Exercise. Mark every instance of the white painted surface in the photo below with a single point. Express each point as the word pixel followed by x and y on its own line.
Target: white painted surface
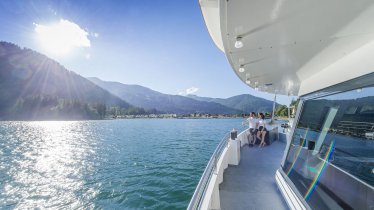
pixel 243 138
pixel 357 63
pixel 296 46
pixel 210 11
pixel 291 199
pixel 230 155
pixel 234 157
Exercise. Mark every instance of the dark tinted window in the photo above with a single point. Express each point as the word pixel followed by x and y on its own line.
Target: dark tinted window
pixel 331 157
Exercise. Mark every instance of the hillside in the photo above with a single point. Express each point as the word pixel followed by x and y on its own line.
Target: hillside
pixel 33 86
pixel 245 102
pixel 149 99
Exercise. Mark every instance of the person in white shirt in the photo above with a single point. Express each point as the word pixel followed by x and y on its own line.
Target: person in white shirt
pixel 252 128
pixel 261 129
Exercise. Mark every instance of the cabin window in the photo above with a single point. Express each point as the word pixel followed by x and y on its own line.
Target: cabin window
pixel 351 110
pixel 331 157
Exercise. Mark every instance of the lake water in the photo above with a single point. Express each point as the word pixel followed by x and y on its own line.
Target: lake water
pixel 116 164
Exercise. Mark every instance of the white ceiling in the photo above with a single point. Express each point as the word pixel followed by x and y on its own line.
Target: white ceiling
pixel 287 42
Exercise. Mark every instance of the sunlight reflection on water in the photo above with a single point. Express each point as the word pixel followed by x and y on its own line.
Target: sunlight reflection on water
pixel 118 164
pixel 50 159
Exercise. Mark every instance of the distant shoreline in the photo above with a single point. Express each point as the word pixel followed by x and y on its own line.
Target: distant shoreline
pixel 154 118
pixel 136 117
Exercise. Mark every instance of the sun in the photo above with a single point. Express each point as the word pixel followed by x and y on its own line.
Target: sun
pixel 62 37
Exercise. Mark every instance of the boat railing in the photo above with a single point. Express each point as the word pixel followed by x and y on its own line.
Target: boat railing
pixel 211 168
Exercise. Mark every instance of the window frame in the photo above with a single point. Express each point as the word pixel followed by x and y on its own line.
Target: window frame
pixel 356 83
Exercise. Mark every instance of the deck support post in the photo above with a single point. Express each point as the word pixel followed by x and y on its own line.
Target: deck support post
pixel 234 157
pixel 275 99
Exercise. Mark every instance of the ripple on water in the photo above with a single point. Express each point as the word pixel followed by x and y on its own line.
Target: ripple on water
pixel 123 164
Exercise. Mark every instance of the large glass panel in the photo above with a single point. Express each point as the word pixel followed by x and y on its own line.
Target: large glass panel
pixel 331 157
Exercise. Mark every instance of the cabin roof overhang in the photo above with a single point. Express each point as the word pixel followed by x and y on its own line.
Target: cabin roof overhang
pixel 294 47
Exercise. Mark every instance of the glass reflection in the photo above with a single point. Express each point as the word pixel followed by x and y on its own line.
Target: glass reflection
pixel 331 157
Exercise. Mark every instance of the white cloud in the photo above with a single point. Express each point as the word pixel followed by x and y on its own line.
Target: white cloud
pixel 95 34
pixel 188 91
pixel 50 9
pixel 192 90
pixel 62 37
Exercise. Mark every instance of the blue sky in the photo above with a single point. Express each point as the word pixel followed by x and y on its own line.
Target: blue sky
pixel 160 44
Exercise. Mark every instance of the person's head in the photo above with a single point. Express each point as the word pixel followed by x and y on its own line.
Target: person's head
pixel 262 115
pixel 253 114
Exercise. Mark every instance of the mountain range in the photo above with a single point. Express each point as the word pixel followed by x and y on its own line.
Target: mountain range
pixel 244 102
pixel 35 87
pixel 149 99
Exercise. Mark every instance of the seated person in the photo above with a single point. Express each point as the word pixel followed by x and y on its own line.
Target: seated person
pixel 261 129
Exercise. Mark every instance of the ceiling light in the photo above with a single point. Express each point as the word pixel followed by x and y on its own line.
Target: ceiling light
pixel 248 81
pixel 256 86
pixel 239 43
pixel 241 69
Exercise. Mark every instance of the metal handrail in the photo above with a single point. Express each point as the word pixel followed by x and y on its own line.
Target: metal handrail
pixel 208 172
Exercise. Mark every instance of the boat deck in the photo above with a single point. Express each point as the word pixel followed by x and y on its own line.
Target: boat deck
pixel 251 184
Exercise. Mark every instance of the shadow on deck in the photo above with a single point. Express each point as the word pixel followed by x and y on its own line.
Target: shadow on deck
pixel 251 184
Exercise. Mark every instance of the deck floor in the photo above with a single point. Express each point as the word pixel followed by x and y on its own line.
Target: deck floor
pixel 251 184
